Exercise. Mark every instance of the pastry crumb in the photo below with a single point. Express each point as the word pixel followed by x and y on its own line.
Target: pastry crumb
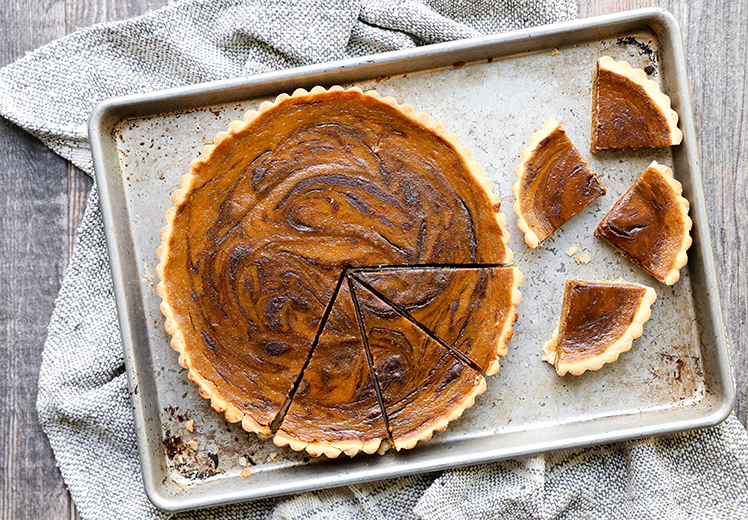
pixel 573 250
pixel 243 462
pixel 245 473
pixel 192 444
pixel 582 259
pixel 273 456
pixel 190 425
pixel 554 52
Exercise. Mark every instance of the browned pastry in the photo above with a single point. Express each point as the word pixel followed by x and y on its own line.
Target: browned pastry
pixel 274 211
pixel 472 309
pixel 335 408
pixel 650 224
pixel 599 320
pixel 629 110
pixel 554 183
pixel 423 385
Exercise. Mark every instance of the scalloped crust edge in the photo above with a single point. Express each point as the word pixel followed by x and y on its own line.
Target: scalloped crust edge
pixel 206 388
pixel 651 88
pixel 332 449
pixel 622 344
pixel 409 442
pixel 549 126
pixel 507 329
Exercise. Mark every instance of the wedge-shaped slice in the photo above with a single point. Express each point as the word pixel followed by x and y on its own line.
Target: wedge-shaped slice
pixel 472 309
pixel 650 224
pixel 599 320
pixel 336 409
pixel 554 183
pixel 423 386
pixel 629 110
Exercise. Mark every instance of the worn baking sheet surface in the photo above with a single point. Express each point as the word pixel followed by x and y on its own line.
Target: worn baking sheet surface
pixel 673 378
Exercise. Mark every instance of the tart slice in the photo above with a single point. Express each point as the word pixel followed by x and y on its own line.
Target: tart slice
pixel 650 224
pixel 599 320
pixel 554 183
pixel 629 110
pixel 335 408
pixel 422 384
pixel 471 309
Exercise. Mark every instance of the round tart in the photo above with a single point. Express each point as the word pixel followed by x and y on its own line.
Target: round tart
pixel 650 224
pixel 554 183
pixel 629 110
pixel 258 248
pixel 599 320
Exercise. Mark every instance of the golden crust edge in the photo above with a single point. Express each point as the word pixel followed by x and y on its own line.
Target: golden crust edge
pixel 611 354
pixel 409 442
pixel 331 449
pixel 507 328
pixel 531 238
pixel 651 87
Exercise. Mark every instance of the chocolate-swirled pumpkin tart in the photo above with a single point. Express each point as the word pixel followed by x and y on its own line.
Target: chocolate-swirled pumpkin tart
pixel 599 321
pixel 629 110
pixel 650 225
pixel 268 220
pixel 554 183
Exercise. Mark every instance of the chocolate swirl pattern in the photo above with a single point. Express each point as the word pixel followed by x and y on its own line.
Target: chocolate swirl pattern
pixel 280 205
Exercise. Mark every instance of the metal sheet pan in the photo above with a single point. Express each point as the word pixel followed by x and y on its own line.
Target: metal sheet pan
pixel 494 92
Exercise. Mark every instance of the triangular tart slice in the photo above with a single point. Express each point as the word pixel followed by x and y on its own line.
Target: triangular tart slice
pixel 423 385
pixel 599 320
pixel 629 110
pixel 554 183
pixel 335 408
pixel 650 224
pixel 471 309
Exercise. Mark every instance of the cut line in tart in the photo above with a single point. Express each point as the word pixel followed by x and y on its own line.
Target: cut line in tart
pixel 650 225
pixel 599 321
pixel 423 385
pixel 471 309
pixel 554 183
pixel 269 220
pixel 336 385
pixel 629 110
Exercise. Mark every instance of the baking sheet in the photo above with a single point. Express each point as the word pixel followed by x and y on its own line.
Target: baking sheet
pixel 493 92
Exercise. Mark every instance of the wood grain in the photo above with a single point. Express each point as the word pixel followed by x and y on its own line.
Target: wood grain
pixel 43 199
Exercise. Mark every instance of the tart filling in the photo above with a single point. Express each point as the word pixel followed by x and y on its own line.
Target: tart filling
pixel 650 224
pixel 268 220
pixel 599 321
pixel 629 110
pixel 554 183
pixel 471 309
pixel 423 385
pixel 335 408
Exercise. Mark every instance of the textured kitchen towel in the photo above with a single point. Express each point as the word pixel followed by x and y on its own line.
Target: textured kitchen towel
pixel 83 399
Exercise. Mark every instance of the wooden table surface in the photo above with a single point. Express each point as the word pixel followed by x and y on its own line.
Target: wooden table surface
pixel 43 198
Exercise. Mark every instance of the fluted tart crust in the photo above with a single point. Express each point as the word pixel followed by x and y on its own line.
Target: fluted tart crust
pixel 269 219
pixel 554 183
pixel 599 321
pixel 650 225
pixel 629 110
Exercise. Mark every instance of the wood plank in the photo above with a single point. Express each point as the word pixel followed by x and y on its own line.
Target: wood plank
pixel 43 198
pixel 32 248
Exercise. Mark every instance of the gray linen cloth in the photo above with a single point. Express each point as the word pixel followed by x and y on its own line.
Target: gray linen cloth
pixel 83 401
